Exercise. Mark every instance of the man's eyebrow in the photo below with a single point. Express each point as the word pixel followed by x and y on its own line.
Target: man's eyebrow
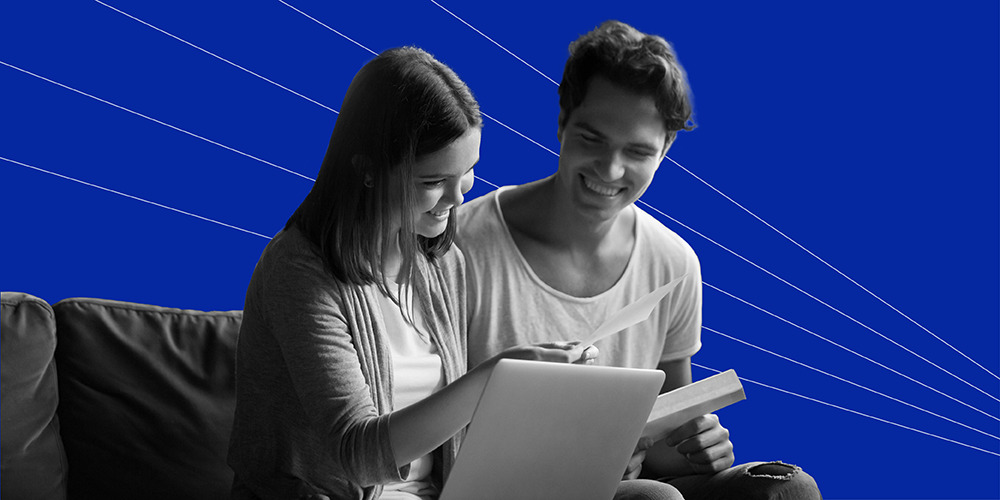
pixel 588 128
pixel 439 175
pixel 591 130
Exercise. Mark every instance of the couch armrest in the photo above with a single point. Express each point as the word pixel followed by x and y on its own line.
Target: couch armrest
pixel 33 460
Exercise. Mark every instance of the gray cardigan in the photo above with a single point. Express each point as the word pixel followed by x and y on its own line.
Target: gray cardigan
pixel 314 374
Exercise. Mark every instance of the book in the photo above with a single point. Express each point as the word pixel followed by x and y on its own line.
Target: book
pixel 672 409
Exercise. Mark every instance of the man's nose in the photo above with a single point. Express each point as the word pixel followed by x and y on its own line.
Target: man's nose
pixel 612 167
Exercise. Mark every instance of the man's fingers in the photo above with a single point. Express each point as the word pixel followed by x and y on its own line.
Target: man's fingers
pixel 704 440
pixel 634 465
pixel 710 454
pixel 692 428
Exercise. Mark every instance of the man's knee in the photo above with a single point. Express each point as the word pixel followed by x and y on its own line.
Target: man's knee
pixel 776 481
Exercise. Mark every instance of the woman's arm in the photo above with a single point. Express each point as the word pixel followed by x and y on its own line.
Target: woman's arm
pixel 418 429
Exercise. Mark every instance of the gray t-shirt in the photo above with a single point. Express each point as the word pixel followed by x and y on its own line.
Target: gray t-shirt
pixel 508 304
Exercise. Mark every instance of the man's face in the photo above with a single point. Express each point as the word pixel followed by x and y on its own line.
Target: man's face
pixel 612 144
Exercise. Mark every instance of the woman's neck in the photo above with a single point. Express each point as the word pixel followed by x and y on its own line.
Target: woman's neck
pixel 392 259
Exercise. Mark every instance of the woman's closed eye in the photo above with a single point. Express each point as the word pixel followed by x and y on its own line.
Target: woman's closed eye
pixel 433 183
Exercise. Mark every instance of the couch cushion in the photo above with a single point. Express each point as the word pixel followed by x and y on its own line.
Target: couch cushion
pixel 146 399
pixel 33 461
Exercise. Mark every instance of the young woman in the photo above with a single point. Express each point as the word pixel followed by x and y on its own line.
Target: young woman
pixel 351 357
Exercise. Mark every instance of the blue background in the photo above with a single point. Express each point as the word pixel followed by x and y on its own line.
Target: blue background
pixel 866 131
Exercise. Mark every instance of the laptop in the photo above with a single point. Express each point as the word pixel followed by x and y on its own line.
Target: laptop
pixel 552 430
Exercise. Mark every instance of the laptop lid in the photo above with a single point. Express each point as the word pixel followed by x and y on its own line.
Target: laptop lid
pixel 552 430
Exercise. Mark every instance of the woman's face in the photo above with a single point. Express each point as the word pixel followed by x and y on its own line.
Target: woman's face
pixel 441 179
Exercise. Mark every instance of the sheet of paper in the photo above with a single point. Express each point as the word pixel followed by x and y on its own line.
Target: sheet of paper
pixel 633 313
pixel 674 408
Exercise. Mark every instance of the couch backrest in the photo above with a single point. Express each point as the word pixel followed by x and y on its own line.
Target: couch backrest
pixel 33 461
pixel 146 399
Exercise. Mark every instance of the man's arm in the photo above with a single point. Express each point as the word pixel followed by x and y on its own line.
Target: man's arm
pixel 678 374
pixel 661 459
pixel 699 446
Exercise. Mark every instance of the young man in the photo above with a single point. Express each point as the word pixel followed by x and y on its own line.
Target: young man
pixel 551 259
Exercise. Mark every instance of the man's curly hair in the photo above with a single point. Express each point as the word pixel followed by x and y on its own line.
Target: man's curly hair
pixel 635 60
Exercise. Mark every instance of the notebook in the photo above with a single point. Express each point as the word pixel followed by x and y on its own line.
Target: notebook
pixel 552 430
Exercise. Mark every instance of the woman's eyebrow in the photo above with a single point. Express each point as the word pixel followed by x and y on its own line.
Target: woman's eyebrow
pixel 439 175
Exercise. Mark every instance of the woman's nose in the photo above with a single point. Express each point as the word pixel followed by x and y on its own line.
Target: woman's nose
pixel 454 195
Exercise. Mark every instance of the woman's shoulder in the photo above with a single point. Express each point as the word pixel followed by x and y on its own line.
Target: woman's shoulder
pixel 290 256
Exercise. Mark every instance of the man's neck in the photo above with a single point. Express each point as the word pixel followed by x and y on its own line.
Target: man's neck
pixel 556 216
pixel 578 256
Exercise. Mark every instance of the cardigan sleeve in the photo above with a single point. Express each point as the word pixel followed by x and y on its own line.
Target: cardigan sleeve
pixel 327 346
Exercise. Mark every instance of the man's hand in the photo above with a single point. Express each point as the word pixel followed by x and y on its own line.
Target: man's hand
pixel 634 466
pixel 705 443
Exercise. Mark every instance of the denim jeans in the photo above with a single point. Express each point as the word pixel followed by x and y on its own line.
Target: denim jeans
pixel 750 481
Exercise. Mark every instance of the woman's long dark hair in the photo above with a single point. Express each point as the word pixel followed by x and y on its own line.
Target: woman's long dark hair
pixel 402 105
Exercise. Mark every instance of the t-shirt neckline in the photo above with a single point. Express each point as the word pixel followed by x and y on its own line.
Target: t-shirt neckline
pixel 509 240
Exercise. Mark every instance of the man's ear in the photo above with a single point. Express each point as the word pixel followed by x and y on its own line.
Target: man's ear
pixel 559 125
pixel 666 146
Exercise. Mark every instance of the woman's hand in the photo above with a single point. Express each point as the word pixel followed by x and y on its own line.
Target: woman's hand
pixel 705 443
pixel 558 352
pixel 421 427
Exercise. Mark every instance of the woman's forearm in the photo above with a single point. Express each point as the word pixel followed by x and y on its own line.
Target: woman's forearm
pixel 418 429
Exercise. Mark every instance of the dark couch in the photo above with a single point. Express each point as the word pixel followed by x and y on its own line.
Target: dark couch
pixel 107 399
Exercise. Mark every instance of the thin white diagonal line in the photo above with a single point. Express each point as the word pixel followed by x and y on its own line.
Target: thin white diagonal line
pixel 853 411
pixel 518 133
pixel 252 73
pixel 862 356
pixel 494 42
pixel 817 257
pixel 488 182
pixel 828 374
pixel 355 42
pixel 317 21
pixel 126 195
pixel 165 124
pixel 227 61
pixel 807 294
pixel 775 229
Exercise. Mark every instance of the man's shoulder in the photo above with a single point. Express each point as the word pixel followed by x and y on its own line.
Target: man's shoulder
pixel 478 221
pixel 452 262
pixel 475 209
pixel 661 239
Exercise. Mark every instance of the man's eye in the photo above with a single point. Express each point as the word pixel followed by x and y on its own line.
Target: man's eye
pixel 640 153
pixel 588 138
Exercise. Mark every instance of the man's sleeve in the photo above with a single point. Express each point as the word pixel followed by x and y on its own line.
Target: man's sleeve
pixel 683 336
